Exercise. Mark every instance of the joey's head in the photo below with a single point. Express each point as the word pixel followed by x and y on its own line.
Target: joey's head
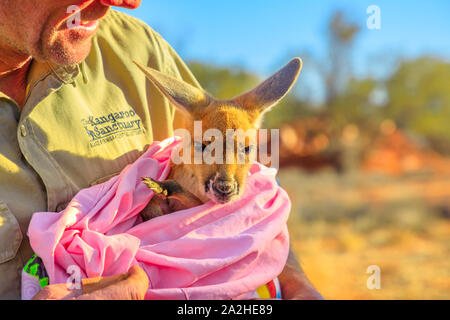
pixel 220 137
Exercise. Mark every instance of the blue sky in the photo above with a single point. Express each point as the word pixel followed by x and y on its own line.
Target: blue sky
pixel 261 35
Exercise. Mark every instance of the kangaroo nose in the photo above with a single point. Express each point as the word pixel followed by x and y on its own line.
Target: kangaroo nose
pixel 225 187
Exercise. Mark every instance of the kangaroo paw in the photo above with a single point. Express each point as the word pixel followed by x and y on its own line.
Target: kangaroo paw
pixel 169 196
pixel 156 186
pixel 155 208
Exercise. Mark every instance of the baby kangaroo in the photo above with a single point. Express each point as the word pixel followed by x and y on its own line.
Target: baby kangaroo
pixel 191 183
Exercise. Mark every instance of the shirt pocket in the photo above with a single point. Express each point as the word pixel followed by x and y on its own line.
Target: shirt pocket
pixel 10 234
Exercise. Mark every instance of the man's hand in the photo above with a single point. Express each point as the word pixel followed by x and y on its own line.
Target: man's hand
pixel 294 283
pixel 128 286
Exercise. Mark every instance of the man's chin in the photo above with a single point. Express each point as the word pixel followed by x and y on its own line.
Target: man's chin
pixel 69 54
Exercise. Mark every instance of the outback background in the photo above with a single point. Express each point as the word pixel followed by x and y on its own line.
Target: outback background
pixel 365 135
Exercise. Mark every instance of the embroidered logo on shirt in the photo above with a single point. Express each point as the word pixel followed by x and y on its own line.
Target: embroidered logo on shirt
pixel 115 125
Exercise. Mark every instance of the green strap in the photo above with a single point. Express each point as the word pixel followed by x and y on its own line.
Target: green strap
pixel 32 267
pixel 43 282
pixel 27 266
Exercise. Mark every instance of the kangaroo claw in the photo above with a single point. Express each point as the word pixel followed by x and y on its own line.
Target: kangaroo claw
pixel 155 186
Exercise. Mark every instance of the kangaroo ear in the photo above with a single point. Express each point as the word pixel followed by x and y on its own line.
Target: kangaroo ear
pixel 268 93
pixel 184 96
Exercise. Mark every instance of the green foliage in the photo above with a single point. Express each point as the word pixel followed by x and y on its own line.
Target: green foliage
pixel 416 96
pixel 223 83
pixel 353 105
pixel 288 110
pixel 419 99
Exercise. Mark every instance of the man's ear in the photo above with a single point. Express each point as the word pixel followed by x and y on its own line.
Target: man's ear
pixel 268 93
pixel 184 96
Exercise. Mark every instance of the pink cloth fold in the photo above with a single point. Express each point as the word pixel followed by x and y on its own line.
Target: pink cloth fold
pixel 208 252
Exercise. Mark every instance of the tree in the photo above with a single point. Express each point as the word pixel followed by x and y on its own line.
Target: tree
pixel 226 83
pixel 419 100
pixel 336 72
pixel 223 83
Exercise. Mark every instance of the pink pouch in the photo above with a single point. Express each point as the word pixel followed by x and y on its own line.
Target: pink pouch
pixel 208 252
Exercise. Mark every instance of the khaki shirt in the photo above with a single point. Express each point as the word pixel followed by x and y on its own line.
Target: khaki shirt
pixel 80 125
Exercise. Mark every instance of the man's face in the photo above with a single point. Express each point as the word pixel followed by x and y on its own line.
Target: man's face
pixel 48 29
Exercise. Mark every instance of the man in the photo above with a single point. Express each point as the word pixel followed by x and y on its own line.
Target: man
pixel 74 111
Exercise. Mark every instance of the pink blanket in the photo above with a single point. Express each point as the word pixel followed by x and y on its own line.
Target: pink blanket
pixel 208 252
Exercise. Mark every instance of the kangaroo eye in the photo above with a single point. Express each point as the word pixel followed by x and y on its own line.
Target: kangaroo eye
pixel 200 147
pixel 248 149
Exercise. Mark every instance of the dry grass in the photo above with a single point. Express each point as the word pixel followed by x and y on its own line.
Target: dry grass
pixel 340 225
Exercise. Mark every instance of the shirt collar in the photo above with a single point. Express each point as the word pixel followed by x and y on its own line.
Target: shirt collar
pixel 40 70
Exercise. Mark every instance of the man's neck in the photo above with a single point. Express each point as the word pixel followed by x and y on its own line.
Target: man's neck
pixel 13 74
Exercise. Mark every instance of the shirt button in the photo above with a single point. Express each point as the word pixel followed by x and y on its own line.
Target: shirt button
pixel 23 131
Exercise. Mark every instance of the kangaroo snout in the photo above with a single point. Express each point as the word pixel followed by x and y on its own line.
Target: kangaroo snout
pixel 222 191
pixel 225 187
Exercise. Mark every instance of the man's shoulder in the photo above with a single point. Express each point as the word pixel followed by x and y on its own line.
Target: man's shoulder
pixel 123 38
pixel 122 32
pixel 122 23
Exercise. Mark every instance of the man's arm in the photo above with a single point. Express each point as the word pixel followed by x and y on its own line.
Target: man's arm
pixel 294 283
pixel 131 285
